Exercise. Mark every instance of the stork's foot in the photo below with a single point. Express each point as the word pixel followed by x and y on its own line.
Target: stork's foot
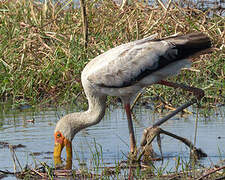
pixel 149 154
pixel 132 156
pixel 150 133
pixel 146 146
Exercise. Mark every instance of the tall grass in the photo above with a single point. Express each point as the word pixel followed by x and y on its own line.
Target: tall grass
pixel 42 49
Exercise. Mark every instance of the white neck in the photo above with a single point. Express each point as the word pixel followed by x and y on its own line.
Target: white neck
pixel 72 123
pixel 95 112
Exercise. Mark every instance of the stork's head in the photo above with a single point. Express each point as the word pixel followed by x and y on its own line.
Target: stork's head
pixel 64 135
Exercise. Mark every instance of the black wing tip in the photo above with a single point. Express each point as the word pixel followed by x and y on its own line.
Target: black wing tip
pixel 190 44
pixel 200 37
pixel 190 36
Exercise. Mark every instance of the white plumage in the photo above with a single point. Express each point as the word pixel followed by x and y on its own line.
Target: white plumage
pixel 125 70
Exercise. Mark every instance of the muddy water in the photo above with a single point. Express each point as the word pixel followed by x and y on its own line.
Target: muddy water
pixel 111 134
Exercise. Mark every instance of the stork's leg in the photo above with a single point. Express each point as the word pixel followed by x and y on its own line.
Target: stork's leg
pixel 131 129
pixel 199 93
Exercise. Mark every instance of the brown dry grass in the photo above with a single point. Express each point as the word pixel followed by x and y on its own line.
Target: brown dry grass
pixel 42 51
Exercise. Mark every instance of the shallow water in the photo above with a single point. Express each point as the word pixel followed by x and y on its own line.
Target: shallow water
pixel 111 134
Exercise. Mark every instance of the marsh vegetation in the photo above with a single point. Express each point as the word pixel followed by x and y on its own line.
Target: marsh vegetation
pixel 45 45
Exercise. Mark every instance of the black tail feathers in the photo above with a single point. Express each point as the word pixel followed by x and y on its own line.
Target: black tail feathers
pixel 190 44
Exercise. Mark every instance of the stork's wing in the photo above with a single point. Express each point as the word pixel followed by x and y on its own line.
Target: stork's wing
pixel 129 63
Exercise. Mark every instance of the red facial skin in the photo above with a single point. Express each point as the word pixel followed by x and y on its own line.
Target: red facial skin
pixel 60 142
